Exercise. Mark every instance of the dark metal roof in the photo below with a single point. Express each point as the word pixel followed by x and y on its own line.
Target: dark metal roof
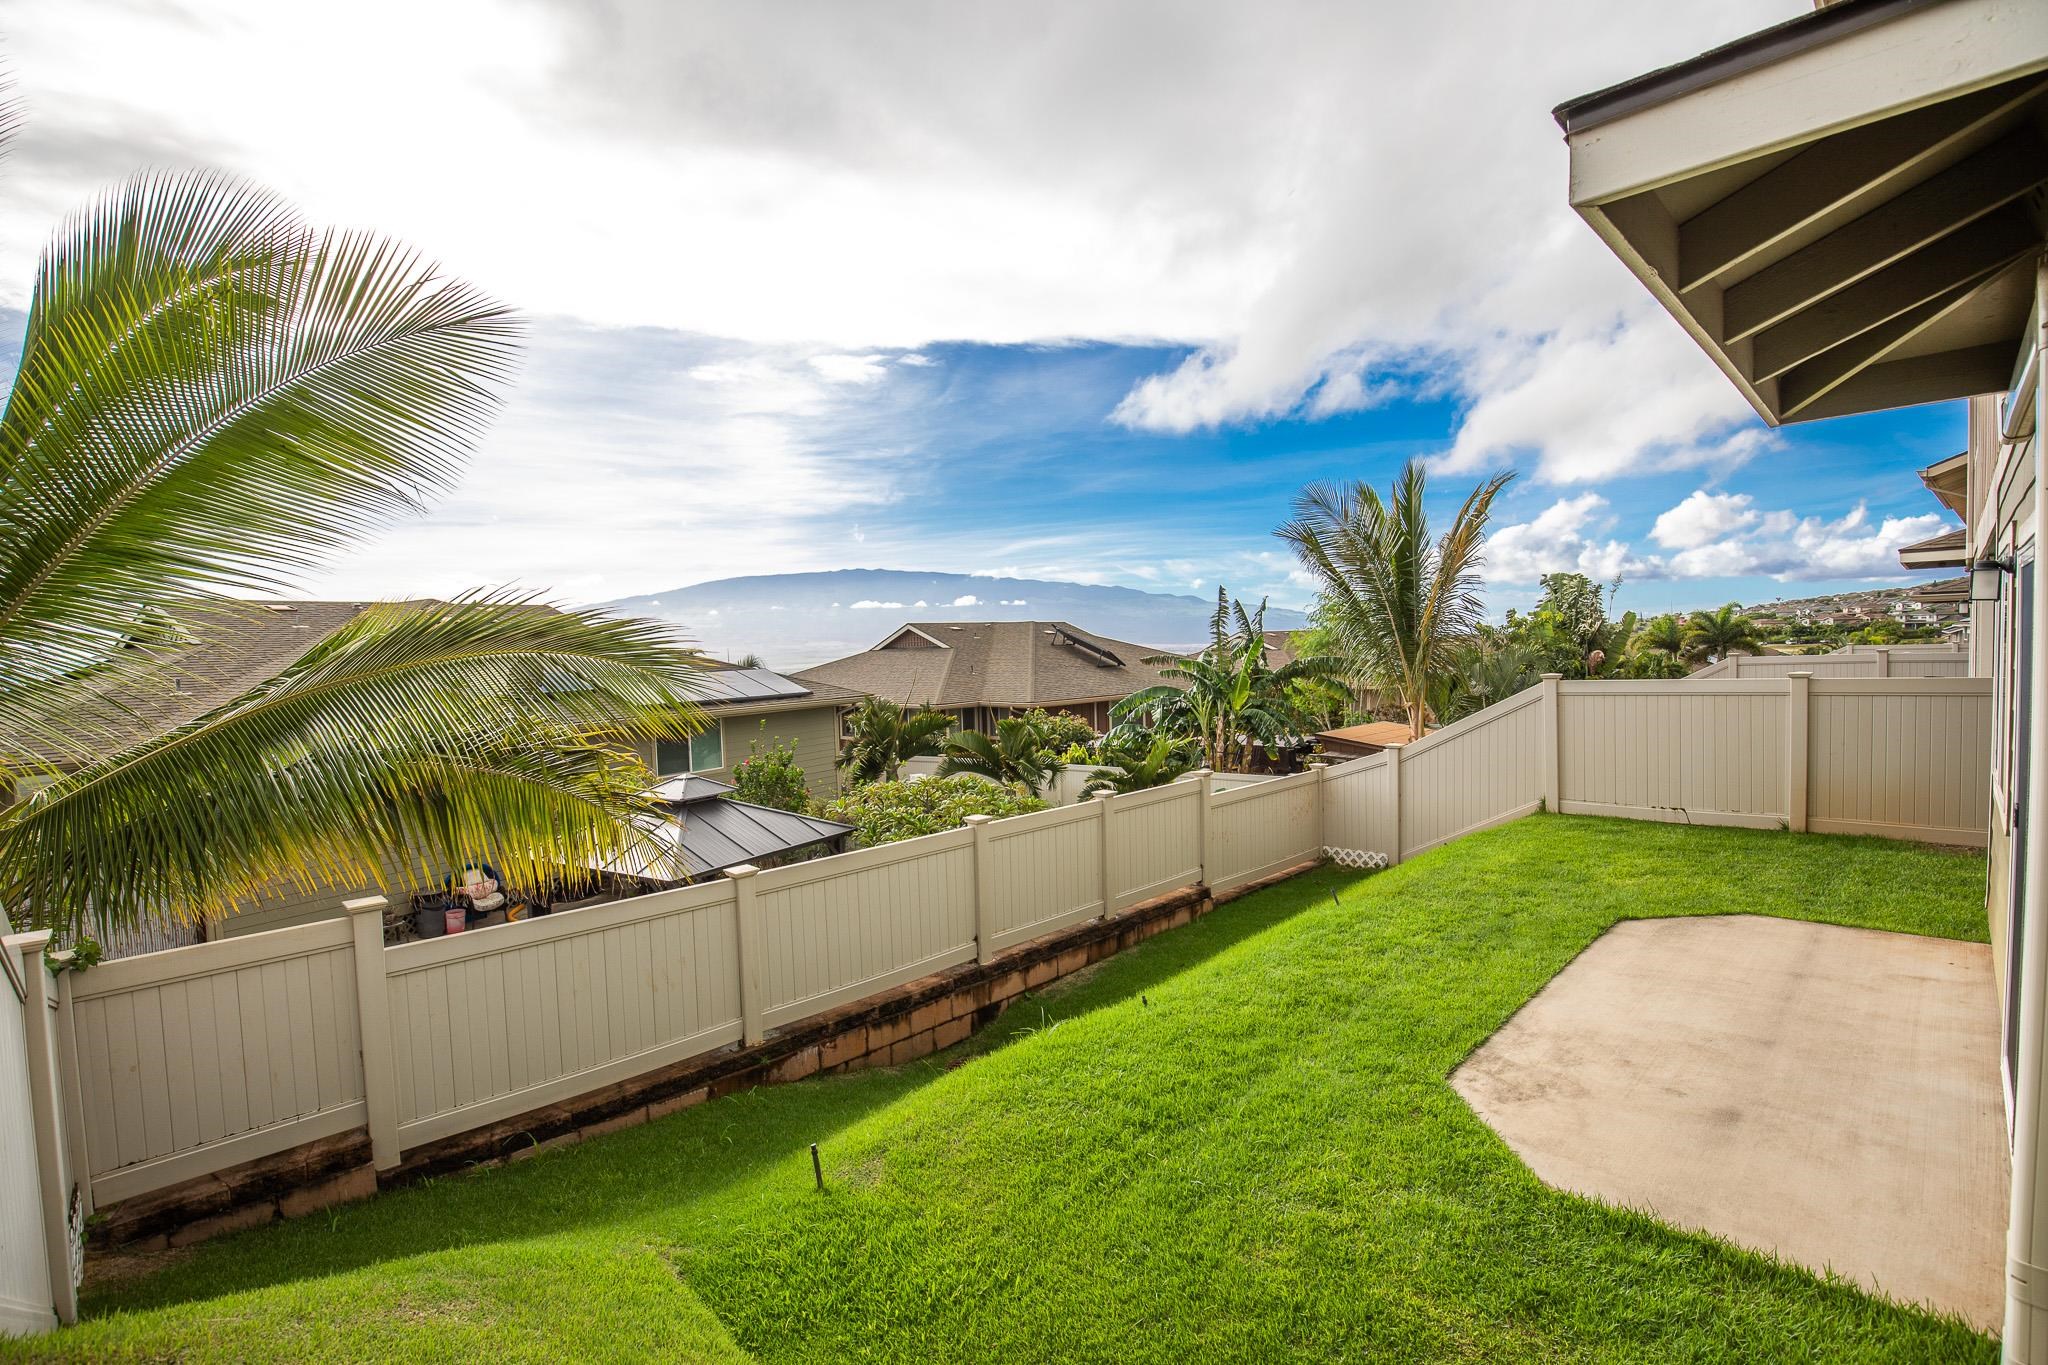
pixel 1747 53
pixel 687 787
pixel 713 832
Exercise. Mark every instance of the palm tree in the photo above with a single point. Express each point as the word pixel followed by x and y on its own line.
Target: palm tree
pixel 1663 634
pixel 881 734
pixel 1714 635
pixel 1021 754
pixel 1226 700
pixel 212 397
pixel 1398 602
pixel 1134 767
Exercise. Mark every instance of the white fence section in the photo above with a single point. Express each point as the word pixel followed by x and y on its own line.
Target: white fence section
pixel 42 1214
pixel 179 1063
pixel 1857 661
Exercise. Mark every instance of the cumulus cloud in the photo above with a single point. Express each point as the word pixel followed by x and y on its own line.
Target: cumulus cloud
pixel 1704 518
pixel 967 600
pixel 1786 546
pixel 870 604
pixel 1564 538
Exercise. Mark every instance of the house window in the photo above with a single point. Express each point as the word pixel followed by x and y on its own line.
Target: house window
pixel 703 752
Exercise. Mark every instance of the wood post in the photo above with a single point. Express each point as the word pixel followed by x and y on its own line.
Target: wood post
pixel 1101 800
pixel 984 887
pixel 748 940
pixel 46 1105
pixel 1552 784
pixel 373 1023
pixel 1798 703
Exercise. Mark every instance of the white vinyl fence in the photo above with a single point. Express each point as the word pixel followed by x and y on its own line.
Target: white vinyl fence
pixel 178 1063
pixel 1857 661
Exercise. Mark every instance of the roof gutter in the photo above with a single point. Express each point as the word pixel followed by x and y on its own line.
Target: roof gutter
pixel 1762 48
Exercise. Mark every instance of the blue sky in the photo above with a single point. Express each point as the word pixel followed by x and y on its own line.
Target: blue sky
pixel 1074 290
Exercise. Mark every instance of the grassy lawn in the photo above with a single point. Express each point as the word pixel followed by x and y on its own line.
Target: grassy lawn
pixel 1233 1143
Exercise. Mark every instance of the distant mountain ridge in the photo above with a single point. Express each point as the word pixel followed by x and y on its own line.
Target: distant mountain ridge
pixel 794 620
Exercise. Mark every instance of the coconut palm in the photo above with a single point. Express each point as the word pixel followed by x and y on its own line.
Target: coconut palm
pixel 1136 766
pixel 1664 634
pixel 211 398
pixel 1022 754
pixel 882 734
pixel 1714 635
pixel 1226 700
pixel 1398 602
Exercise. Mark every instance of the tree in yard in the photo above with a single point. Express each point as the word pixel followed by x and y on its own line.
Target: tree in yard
pixel 211 398
pixel 1063 730
pixel 1139 765
pixel 1714 635
pixel 769 775
pixel 1226 701
pixel 1020 754
pixel 1399 602
pixel 881 734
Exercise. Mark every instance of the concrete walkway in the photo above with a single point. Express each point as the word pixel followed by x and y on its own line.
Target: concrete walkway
pixel 1830 1095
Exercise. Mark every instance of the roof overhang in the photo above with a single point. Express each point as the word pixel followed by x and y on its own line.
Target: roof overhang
pixel 1949 481
pixel 1945 551
pixel 1845 210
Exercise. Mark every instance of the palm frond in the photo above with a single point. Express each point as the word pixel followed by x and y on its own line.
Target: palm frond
pixel 432 731
pixel 213 395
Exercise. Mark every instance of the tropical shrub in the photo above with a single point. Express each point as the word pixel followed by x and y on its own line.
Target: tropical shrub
pixel 885 812
pixel 1062 730
pixel 881 734
pixel 769 776
pixel 1133 767
pixel 1225 702
pixel 1020 754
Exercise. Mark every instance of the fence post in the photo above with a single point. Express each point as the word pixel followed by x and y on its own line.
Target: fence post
pixel 1210 861
pixel 1798 701
pixel 1551 785
pixel 1200 776
pixel 45 1100
pixel 1884 662
pixel 748 939
pixel 1101 800
pixel 1394 776
pixel 984 886
pixel 72 1091
pixel 373 1023
pixel 1321 768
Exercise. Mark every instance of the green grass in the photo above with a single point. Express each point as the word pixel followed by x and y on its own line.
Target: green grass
pixel 1235 1142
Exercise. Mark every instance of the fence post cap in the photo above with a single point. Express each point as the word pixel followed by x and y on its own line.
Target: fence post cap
pixel 1101 795
pixel 31 940
pixel 366 905
pixel 740 871
pixel 1800 673
pixel 1551 677
pixel 980 820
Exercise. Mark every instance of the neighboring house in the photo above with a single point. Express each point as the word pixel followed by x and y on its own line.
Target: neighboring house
pixel 981 671
pixel 1845 212
pixel 757 705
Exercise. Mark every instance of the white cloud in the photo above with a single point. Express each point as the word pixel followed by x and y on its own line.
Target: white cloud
pixel 1704 518
pixel 1564 538
pixel 967 600
pixel 1254 179
pixel 1787 547
pixel 870 604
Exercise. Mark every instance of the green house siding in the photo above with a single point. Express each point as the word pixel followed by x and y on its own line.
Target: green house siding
pixel 813 729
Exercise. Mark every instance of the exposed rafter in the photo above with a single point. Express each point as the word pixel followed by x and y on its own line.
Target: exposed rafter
pixel 1833 172
pixel 1922 379
pixel 1936 207
pixel 1959 259
pixel 1805 384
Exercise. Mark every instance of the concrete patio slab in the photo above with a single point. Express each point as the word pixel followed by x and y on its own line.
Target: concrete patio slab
pixel 1829 1095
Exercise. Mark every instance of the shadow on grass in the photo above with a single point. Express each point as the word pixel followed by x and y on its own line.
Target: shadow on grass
pixel 626 1176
